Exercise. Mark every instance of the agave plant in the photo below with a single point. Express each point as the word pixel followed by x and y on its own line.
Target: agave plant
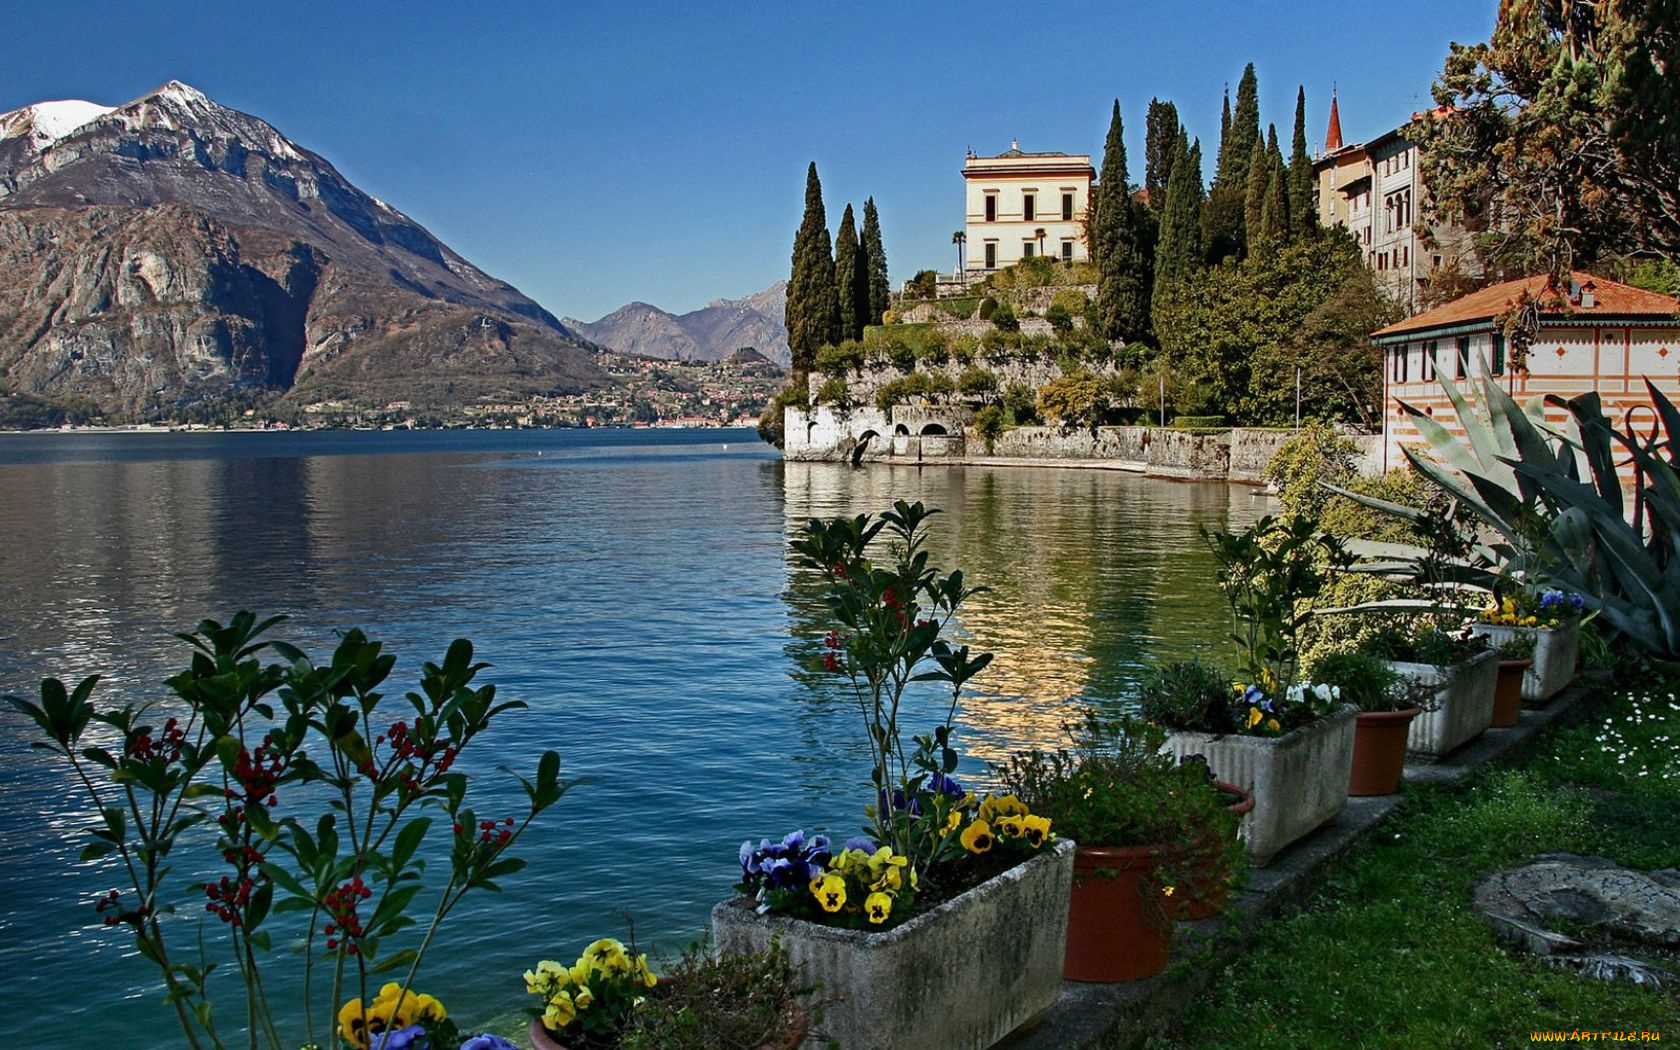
pixel 1521 476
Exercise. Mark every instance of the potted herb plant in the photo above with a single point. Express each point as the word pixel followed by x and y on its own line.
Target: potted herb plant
pixel 1385 715
pixel 1453 669
pixel 741 1001
pixel 1289 743
pixel 1516 656
pixel 979 884
pixel 240 733
pixel 1552 618
pixel 1139 819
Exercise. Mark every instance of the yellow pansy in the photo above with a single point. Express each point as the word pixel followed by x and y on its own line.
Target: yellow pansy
pixel 977 837
pixel 582 997
pixel 1254 717
pixel 1002 806
pixel 878 907
pixel 1011 827
pixel 1272 724
pixel 559 1012
pixel 952 822
pixel 1037 829
pixel 830 891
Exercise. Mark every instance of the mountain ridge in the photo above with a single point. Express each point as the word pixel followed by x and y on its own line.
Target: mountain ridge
pixel 710 333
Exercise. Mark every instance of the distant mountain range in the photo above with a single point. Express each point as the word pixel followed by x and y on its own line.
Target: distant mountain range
pixel 711 333
pixel 169 252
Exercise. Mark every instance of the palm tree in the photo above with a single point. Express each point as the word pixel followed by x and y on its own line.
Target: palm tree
pixel 959 239
pixel 1039 233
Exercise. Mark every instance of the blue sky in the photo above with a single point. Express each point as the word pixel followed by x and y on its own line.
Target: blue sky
pixel 596 153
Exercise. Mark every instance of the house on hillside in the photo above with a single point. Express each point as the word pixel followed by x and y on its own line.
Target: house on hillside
pixel 1021 205
pixel 1596 334
pixel 1375 190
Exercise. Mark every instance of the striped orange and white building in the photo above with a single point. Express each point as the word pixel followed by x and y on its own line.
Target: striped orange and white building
pixel 1596 334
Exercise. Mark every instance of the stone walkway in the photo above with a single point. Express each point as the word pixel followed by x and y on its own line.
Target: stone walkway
pixel 1126 1015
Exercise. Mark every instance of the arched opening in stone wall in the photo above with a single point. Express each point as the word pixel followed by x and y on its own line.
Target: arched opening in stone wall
pixel 935 429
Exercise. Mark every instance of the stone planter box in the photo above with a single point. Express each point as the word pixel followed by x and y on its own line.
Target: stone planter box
pixel 963 975
pixel 1463 704
pixel 1555 651
pixel 1299 780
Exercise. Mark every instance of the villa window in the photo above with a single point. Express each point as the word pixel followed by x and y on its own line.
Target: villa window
pixel 1026 249
pixel 1498 353
pixel 991 210
pixel 1067 251
pixel 1431 359
pixel 991 247
pixel 1067 207
pixel 1463 356
pixel 1027 207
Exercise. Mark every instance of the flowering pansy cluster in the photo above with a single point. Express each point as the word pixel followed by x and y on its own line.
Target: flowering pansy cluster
pixel 1262 713
pixel 595 996
pixel 1524 608
pixel 394 1020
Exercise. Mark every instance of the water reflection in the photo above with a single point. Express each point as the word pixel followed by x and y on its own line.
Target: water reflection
pixel 1094 574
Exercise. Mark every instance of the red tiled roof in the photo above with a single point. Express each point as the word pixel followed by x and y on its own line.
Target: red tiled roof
pixel 1611 299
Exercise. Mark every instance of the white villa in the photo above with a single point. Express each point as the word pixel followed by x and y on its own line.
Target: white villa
pixel 1595 335
pixel 1022 205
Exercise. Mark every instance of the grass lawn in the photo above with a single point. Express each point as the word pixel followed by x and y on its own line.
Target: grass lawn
pixel 1390 954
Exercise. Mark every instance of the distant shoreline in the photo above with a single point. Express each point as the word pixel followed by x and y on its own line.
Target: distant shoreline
pixel 181 428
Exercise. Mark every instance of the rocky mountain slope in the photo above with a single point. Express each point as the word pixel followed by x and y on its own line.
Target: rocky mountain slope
pixel 711 333
pixel 172 252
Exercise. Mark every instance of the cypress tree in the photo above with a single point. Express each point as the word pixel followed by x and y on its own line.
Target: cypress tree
pixel 1303 216
pixel 1245 124
pixel 813 311
pixel 1274 212
pixel 1161 147
pixel 1254 196
pixel 1219 172
pixel 1123 283
pixel 1179 251
pixel 875 257
pixel 849 278
pixel 1224 220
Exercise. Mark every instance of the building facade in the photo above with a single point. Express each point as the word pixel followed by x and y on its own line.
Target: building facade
pixel 1595 334
pixel 1375 191
pixel 1021 205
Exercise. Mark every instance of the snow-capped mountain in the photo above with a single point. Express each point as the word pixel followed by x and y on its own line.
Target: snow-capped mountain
pixel 171 249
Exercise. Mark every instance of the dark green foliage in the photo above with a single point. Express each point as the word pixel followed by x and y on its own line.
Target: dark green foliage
pixel 875 255
pixel 1224 226
pixel 1240 331
pixel 1198 422
pixel 850 280
pixel 1123 277
pixel 989 422
pixel 813 307
pixel 1303 215
pixel 1366 681
pixel 771 429
pixel 1004 319
pixel 1162 135
pixel 922 286
pixel 988 306
pixel 977 382
pixel 934 386
pixel 1117 787
pixel 1274 211
pixel 834 391
pixel 1074 400
pixel 837 358
pixel 1178 253
pixel 1021 402
pixel 1254 192
pixel 1189 695
pixel 1059 318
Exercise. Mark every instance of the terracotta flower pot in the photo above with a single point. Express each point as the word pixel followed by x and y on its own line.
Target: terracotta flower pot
pixel 1119 924
pixel 1507 692
pixel 1379 751
pixel 1204 886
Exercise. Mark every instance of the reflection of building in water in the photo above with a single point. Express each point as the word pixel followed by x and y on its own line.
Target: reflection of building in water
pixel 1094 575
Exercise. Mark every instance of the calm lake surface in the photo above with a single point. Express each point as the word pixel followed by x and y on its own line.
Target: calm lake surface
pixel 634 587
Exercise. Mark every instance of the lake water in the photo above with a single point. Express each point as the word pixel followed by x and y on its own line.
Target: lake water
pixel 634 587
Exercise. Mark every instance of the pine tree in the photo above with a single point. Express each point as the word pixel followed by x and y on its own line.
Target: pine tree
pixel 848 278
pixel 1179 251
pixel 813 310
pixel 875 255
pixel 1303 215
pixel 1123 282
pixel 1254 195
pixel 1161 145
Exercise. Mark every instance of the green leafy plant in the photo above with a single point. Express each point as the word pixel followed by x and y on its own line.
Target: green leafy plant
pixel 1188 695
pixel 738 1001
pixel 222 758
pixel 1269 574
pixel 989 422
pixel 1364 680
pixel 1004 319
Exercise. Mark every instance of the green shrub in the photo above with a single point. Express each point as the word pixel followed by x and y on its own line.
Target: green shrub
pixel 989 423
pixel 1059 318
pixel 834 391
pixel 977 382
pixel 1365 681
pixel 1072 301
pixel 963 347
pixel 999 344
pixel 1189 695
pixel 962 308
pixel 770 429
pixel 921 286
pixel 1035 347
pixel 1198 422
pixel 1004 319
pixel 988 306
pixel 834 360
pixel 1072 400
pixel 1302 464
pixel 916 384
pixel 1021 402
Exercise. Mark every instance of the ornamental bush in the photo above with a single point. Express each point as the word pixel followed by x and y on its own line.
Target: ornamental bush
pixel 236 736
